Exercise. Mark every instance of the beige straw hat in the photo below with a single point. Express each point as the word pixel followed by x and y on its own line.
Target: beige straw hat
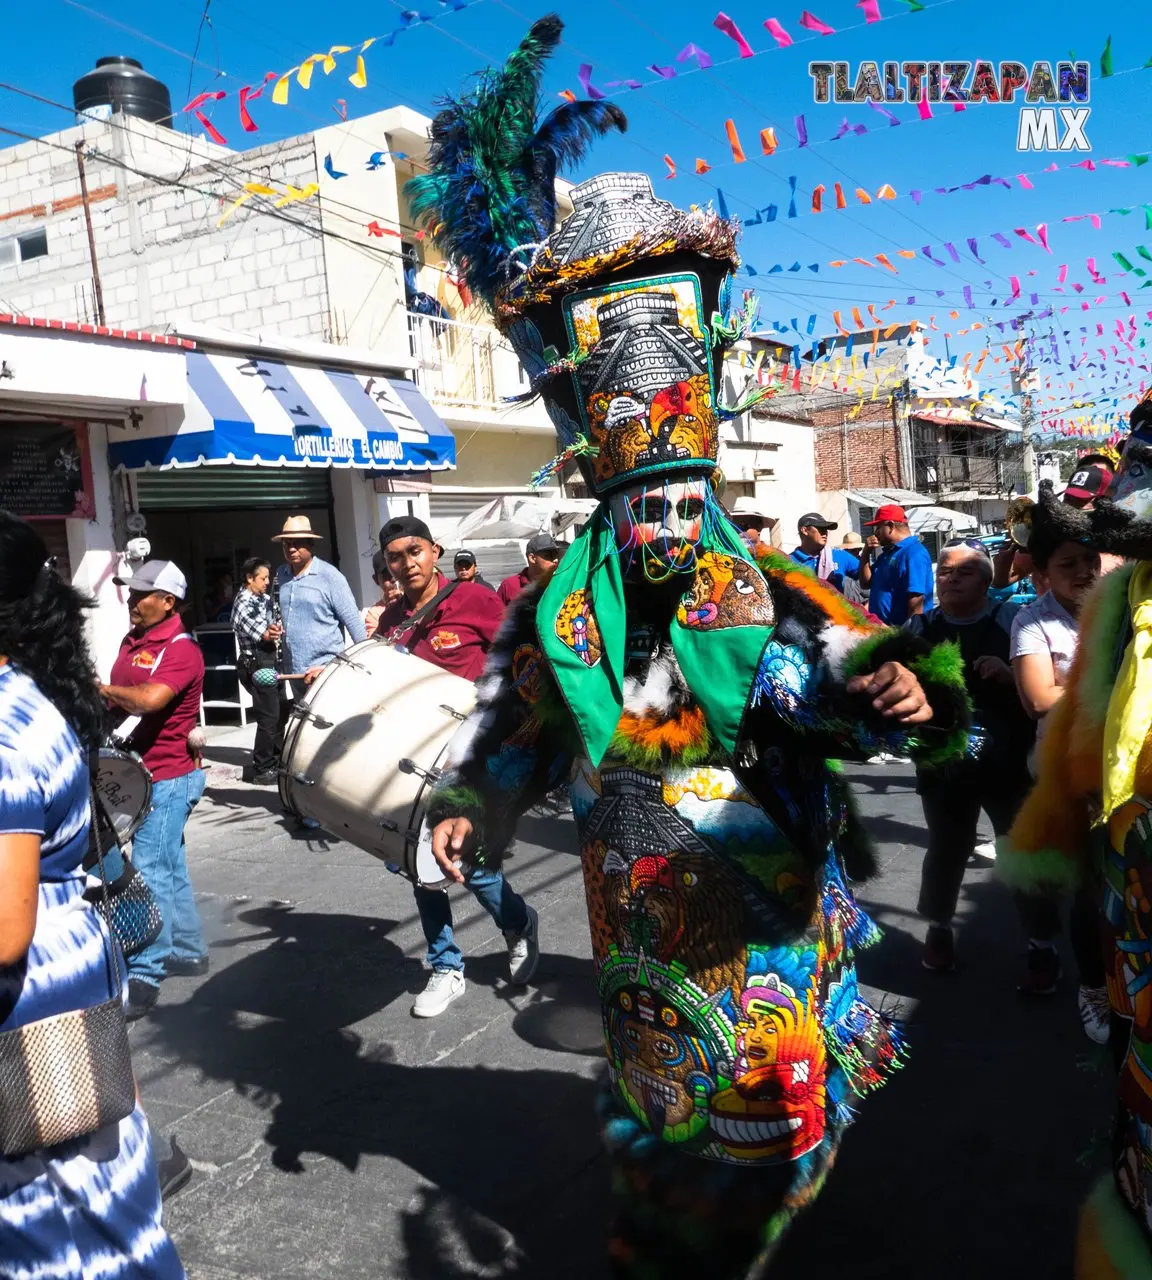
pixel 296 527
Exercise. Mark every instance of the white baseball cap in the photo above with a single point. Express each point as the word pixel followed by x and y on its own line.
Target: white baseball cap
pixel 156 575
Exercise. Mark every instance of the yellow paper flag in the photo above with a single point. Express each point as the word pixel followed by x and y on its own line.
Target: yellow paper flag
pixel 280 93
pixel 330 57
pixel 359 78
pixel 250 189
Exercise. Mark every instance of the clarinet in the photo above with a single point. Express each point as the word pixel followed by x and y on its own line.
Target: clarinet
pixel 277 619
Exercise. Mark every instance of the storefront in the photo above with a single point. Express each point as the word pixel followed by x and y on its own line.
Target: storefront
pixel 203 450
pixel 265 435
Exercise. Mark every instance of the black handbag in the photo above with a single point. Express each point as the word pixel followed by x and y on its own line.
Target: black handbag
pixel 69 1074
pixel 127 903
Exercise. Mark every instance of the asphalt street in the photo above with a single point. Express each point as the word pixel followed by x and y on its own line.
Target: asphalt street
pixel 335 1135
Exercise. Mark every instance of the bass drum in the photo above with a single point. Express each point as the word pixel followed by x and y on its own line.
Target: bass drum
pixel 124 786
pixel 366 743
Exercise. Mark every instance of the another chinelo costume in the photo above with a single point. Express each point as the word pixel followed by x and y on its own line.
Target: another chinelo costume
pixel 1089 818
pixel 689 695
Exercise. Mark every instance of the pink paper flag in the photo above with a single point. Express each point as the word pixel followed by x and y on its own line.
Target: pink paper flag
pixel 1063 273
pixel 1024 234
pixel 722 22
pixel 871 9
pixel 1127 299
pixel 584 75
pixel 1095 220
pixel 1042 234
pixel 813 23
pixel 959 106
pixel 1022 179
pixel 1096 276
pixel 1014 281
pixel 924 109
pixel 1052 167
pixel 1090 165
pixel 777 32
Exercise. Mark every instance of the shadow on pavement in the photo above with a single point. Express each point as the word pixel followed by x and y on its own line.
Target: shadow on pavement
pixel 502 1148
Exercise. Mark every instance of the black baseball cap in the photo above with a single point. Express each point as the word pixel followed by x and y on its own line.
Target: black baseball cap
pixel 405 527
pixel 1088 483
pixel 540 544
pixel 463 557
pixel 814 520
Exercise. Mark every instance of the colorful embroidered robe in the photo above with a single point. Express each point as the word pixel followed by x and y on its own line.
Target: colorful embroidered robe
pixel 723 927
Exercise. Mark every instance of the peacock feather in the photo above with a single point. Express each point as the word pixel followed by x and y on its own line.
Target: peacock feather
pixel 491 185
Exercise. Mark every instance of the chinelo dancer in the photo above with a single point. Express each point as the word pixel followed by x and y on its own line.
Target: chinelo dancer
pixel 689 694
pixel 1088 824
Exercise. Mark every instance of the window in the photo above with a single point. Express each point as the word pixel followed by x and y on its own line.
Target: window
pixel 32 244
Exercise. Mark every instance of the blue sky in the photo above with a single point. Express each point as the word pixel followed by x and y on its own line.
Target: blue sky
pixel 685 118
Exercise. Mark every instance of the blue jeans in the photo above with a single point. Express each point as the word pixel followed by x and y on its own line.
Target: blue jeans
pixel 158 853
pixel 492 892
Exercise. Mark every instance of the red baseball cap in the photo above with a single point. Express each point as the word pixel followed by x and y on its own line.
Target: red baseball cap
pixel 1088 483
pixel 889 513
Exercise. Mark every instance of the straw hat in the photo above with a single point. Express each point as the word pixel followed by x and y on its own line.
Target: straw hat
pixel 296 527
pixel 851 539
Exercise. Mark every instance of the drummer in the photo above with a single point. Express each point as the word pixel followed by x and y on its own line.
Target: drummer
pixel 452 625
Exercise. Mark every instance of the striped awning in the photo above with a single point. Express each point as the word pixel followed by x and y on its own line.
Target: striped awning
pixel 268 413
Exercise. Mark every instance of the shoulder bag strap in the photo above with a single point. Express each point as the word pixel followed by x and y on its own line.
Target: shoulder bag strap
pixel 94 848
pixel 423 613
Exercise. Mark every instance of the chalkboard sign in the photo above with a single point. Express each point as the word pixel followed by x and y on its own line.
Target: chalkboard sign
pixel 45 470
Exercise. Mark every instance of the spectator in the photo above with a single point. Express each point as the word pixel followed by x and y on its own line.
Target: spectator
pixel 1091 480
pixel 750 521
pixel 1044 638
pixel 543 555
pixel 467 570
pixel 896 568
pixel 158 676
pixel 316 603
pixel 831 564
pixel 389 591
pixel 257 635
pixel 89 1206
pixel 452 625
pixel 996 778
pixel 218 601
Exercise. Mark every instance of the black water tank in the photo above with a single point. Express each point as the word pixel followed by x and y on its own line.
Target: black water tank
pixel 122 84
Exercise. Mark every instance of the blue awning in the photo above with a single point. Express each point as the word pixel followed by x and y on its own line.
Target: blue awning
pixel 270 413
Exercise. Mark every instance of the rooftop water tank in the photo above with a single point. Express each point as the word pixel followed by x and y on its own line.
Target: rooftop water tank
pixel 122 84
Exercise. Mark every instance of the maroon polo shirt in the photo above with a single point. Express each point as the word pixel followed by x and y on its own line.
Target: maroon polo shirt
pixel 511 587
pixel 456 635
pixel 162 736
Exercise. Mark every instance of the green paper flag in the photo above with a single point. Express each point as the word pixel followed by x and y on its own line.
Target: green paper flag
pixel 1123 261
pixel 1137 160
pixel 914 5
pixel 1148 217
pixel 1106 60
pixel 1143 252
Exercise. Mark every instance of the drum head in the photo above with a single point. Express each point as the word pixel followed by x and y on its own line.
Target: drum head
pixel 423 867
pixel 124 786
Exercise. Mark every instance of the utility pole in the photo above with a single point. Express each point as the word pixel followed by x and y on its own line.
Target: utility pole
pixel 97 292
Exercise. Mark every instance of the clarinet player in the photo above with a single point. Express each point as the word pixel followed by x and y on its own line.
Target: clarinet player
pixel 256 622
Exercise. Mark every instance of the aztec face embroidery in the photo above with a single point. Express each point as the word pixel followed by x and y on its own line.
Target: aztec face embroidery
pixel 527 668
pixel 576 627
pixel 1132 487
pixel 775 1107
pixel 726 592
pixel 644 381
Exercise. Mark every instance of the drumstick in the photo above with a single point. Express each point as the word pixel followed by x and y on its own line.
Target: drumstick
pixel 269 676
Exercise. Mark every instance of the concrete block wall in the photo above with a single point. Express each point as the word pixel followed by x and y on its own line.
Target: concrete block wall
pixel 163 260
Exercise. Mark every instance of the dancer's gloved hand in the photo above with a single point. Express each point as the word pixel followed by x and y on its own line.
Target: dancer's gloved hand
pixel 895 693
pixel 452 841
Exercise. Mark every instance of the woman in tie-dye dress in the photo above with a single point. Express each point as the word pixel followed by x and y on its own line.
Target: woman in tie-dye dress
pixel 90 1207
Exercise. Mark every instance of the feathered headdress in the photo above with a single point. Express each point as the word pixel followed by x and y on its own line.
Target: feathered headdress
pixel 491 188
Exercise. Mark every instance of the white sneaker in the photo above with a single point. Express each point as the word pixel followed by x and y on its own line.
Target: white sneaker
pixel 444 986
pixel 524 951
pixel 1095 1013
pixel 987 851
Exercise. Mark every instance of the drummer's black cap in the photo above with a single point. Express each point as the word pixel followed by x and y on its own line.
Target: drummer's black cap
pixel 404 527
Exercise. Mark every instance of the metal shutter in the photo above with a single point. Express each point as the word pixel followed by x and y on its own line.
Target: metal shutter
pixel 232 488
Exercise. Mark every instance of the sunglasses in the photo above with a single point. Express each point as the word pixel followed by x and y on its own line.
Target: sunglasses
pixel 973 544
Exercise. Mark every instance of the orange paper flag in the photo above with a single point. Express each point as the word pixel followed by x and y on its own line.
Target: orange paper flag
pixel 906 253
pixel 841 203
pixel 702 166
pixel 768 141
pixel 863 262
pixel 885 261
pixel 671 167
pixel 863 196
pixel 856 320
pixel 885 193
pixel 567 95
pixel 817 198
pixel 734 141
pixel 836 321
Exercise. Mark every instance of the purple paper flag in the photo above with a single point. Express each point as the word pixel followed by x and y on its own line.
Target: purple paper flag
pixel 973 244
pixel 703 61
pixel 584 75
pixel 802 130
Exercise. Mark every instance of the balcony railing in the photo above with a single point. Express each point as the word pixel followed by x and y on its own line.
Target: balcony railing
pixel 463 364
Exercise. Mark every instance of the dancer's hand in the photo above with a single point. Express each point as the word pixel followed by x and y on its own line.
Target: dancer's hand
pixel 895 693
pixel 452 840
